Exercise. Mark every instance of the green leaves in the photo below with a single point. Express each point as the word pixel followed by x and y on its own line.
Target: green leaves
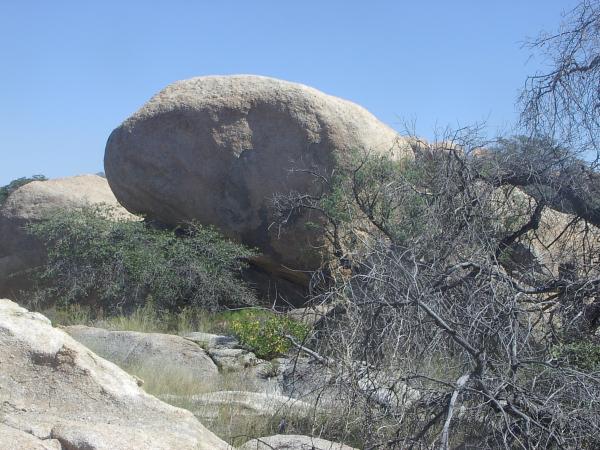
pixel 120 264
pixel 582 354
pixel 383 189
pixel 265 334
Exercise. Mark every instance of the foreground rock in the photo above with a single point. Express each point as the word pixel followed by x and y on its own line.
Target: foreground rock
pixel 157 352
pixel 55 391
pixel 218 148
pixel 19 251
pixel 292 442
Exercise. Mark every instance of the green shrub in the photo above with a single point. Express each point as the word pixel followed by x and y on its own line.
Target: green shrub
pixel 5 191
pixel 584 355
pixel 372 187
pixel 265 334
pixel 120 265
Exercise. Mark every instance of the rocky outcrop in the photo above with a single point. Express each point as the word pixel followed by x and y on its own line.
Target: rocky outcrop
pixel 231 358
pixel 225 351
pixel 217 149
pixel 55 390
pixel 19 251
pixel 292 442
pixel 148 351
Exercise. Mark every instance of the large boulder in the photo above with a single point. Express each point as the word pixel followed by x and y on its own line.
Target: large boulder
pixel 158 353
pixel 55 390
pixel 19 251
pixel 218 148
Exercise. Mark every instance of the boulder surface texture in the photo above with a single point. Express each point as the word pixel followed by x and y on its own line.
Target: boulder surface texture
pixel 56 393
pixel 218 148
pixel 19 251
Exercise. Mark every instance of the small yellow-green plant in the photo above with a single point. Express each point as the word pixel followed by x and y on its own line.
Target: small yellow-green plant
pixel 266 335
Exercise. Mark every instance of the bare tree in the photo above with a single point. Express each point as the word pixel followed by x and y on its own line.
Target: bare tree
pixel 562 106
pixel 447 327
pixel 463 292
pixel 564 101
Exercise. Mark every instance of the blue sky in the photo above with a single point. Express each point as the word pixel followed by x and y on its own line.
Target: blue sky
pixel 71 71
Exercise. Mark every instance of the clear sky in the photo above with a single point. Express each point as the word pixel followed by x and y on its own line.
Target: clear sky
pixel 71 71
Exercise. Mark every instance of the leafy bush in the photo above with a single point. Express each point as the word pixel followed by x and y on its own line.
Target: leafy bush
pixel 265 333
pixel 120 265
pixel 584 355
pixel 5 191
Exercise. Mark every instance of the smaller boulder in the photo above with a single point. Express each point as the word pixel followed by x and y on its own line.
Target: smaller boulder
pixel 21 252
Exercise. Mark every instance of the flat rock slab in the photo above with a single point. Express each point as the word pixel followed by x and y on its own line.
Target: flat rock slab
pixel 162 352
pixel 243 403
pixel 292 442
pixel 55 389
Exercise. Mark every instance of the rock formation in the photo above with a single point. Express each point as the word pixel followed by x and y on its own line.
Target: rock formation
pixel 19 251
pixel 56 394
pixel 148 351
pixel 217 149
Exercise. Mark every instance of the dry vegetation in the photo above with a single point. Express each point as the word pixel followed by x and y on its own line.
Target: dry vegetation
pixel 462 296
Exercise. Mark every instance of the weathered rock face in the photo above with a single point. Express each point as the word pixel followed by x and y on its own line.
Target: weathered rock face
pixel 20 251
pixel 151 351
pixel 292 442
pixel 218 148
pixel 53 390
pixel 561 241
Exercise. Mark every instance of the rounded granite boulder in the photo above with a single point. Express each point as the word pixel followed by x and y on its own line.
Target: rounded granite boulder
pixel 218 148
